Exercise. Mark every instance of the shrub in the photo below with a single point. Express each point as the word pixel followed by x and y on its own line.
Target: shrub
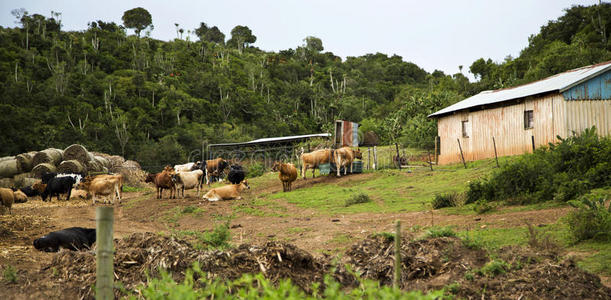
pixel 445 200
pixel 591 220
pixel 218 238
pixel 255 170
pixel 482 206
pixel 494 268
pixel 435 232
pixel 356 199
pixel 10 274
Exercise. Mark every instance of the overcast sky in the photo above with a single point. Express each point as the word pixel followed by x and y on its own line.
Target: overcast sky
pixel 433 34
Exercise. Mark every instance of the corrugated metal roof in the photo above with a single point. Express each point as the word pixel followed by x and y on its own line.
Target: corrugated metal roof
pixel 559 82
pixel 275 139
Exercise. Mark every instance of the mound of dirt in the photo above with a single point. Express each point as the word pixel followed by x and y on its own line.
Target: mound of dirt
pixel 149 253
pixel 426 265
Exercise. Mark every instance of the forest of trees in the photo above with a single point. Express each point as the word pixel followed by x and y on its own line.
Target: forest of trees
pixel 149 99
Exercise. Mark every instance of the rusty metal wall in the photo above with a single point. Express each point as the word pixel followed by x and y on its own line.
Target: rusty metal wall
pixel 586 113
pixel 506 124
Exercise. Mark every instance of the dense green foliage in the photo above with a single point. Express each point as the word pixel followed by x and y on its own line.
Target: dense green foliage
pixel 562 172
pixel 258 287
pixel 146 98
pixel 450 199
pixel 591 219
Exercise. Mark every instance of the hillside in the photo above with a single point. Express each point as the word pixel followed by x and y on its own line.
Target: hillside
pixel 148 99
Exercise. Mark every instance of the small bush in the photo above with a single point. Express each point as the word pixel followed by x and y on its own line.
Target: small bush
pixel 435 232
pixel 474 243
pixel 591 220
pixel 494 268
pixel 483 206
pixel 255 170
pixel 217 238
pixel 445 200
pixel 541 241
pixel 10 274
pixel 190 209
pixel 356 199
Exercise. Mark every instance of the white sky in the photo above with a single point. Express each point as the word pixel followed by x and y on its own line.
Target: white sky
pixel 432 34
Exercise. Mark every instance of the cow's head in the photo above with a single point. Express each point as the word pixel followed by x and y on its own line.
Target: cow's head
pixel 150 177
pixel 223 164
pixel 358 154
pixel 245 184
pixel 276 166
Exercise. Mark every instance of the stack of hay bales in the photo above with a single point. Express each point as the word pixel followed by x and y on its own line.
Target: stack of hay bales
pixel 27 168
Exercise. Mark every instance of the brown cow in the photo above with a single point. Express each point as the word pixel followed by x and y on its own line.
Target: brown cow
pixel 314 159
pixel 102 186
pixel 344 157
pixel 214 168
pixel 7 197
pixel 227 192
pixel 165 180
pixel 288 174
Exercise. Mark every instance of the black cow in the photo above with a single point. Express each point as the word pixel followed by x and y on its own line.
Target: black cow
pixel 29 191
pixel 59 185
pixel 74 238
pixel 47 176
pixel 236 174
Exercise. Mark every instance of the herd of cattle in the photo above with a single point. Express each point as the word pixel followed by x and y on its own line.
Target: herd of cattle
pixel 177 179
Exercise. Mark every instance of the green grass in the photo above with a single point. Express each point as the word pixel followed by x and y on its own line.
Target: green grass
pixel 10 274
pixel 131 189
pixel 599 259
pixel 259 207
pixel 391 190
pixel 178 212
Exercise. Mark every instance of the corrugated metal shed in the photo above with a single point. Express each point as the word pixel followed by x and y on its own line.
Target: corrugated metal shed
pixel 560 82
pixel 275 139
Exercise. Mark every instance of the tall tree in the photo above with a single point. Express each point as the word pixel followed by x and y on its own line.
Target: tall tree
pixel 137 18
pixel 241 36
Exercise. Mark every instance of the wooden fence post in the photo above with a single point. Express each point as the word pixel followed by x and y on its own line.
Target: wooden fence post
pixel 398 156
pixel 375 157
pixel 532 138
pixel 461 155
pixel 430 162
pixel 495 156
pixel 104 253
pixel 436 149
pixel 368 157
pixel 397 277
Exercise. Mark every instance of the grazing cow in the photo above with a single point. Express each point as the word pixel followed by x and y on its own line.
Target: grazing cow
pixel 228 192
pixel 314 159
pixel 59 185
pixel 78 194
pixel 164 180
pixel 236 174
pixel 186 180
pixel 214 168
pixel 30 191
pixel 48 176
pixel 186 167
pixel 74 238
pixel 119 177
pixel 288 174
pixel 344 157
pixel 20 197
pixel 8 197
pixel 105 186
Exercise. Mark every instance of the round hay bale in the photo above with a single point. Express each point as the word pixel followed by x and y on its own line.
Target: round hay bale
pixel 29 182
pixel 8 168
pixel 71 166
pixel 25 161
pixel 131 164
pixel 77 152
pixel 47 156
pixel 19 179
pixel 115 163
pixel 43 168
pixel 7 182
pixel 94 166
pixel 6 158
pixel 102 160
